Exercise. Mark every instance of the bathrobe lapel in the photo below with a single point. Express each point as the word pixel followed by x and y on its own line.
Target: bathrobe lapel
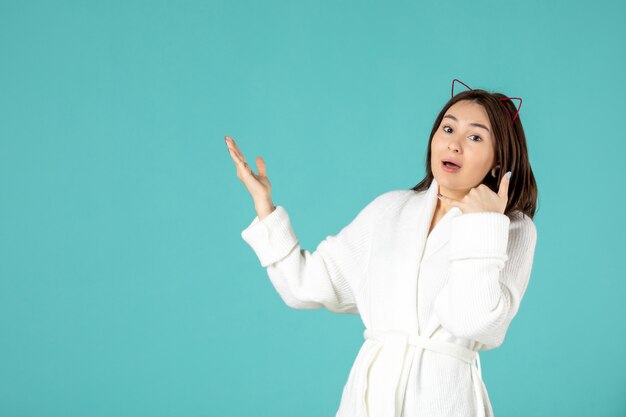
pixel 397 253
pixel 440 234
pixel 427 244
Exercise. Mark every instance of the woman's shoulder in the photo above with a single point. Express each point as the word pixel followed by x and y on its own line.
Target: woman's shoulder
pixel 383 201
pixel 392 197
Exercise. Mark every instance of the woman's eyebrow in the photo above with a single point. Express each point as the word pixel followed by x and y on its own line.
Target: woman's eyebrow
pixel 473 124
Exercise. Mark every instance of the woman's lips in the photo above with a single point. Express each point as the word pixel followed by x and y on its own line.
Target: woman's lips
pixel 449 168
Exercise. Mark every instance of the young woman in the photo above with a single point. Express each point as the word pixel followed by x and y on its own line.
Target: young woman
pixel 437 272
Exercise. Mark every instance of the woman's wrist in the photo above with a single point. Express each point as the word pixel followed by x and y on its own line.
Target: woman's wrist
pixel 264 208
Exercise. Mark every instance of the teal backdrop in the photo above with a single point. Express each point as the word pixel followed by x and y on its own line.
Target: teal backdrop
pixel 125 286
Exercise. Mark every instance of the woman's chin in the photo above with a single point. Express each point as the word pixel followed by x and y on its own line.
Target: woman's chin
pixel 451 184
pixel 447 179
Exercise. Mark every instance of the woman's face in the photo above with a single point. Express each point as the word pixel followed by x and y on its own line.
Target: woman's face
pixel 465 136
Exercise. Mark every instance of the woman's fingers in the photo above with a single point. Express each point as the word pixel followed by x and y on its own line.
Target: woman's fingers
pixel 258 185
pixel 234 146
pixel 238 157
pixel 233 154
pixel 260 163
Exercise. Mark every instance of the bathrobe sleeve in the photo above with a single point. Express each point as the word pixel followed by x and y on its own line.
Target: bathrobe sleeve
pixel 491 259
pixel 327 277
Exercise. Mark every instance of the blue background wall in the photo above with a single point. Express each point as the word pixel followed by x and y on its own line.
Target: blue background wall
pixel 125 286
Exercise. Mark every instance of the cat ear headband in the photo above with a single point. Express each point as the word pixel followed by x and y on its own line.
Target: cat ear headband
pixel 513 117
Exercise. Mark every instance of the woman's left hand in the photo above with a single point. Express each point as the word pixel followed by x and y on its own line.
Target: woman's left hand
pixel 481 198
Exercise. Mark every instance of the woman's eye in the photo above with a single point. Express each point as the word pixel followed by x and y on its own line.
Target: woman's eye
pixel 448 127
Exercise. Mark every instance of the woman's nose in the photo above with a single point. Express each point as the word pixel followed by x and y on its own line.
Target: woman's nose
pixel 454 144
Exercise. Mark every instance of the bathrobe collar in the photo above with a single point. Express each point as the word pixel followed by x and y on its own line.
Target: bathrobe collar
pixel 421 209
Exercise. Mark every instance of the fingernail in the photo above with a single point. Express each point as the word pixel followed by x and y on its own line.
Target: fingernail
pixel 508 175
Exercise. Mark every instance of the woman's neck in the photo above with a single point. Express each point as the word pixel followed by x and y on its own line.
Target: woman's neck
pixel 454 194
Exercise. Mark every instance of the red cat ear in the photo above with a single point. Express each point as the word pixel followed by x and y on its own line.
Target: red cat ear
pixel 461 83
pixel 517 107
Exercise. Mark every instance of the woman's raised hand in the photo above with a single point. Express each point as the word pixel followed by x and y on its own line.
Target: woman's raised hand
pixel 259 185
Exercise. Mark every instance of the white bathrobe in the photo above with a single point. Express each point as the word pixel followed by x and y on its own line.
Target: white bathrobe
pixel 429 303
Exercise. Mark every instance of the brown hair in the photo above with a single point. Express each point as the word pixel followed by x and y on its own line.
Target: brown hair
pixel 511 151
